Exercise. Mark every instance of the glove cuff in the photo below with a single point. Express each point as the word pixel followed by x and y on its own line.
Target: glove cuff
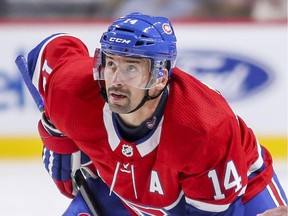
pixel 60 145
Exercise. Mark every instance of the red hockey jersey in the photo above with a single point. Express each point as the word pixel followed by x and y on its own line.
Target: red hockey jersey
pixel 200 150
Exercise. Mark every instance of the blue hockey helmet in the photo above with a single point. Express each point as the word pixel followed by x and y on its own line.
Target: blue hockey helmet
pixel 140 36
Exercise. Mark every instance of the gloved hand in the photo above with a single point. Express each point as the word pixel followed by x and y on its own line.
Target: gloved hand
pixel 62 158
pixel 62 167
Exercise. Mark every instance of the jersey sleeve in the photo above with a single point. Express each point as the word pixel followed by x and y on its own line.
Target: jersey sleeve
pixel 51 53
pixel 62 71
pixel 43 61
pixel 215 183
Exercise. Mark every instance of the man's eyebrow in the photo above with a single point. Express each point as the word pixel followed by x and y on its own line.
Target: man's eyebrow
pixel 110 57
pixel 130 60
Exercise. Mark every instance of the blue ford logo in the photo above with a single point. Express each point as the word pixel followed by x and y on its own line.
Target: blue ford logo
pixel 234 76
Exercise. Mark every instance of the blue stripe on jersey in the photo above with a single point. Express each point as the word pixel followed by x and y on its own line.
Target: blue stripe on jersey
pixel 263 201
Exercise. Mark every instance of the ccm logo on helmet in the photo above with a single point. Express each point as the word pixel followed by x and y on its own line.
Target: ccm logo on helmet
pixel 119 40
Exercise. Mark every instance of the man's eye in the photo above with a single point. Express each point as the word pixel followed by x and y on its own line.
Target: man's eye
pixel 110 64
pixel 131 68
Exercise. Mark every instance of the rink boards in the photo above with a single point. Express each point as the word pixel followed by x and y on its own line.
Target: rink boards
pixel 245 61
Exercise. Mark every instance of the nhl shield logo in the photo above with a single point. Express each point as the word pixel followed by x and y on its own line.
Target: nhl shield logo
pixel 127 150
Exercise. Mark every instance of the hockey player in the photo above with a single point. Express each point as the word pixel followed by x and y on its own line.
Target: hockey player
pixel 154 140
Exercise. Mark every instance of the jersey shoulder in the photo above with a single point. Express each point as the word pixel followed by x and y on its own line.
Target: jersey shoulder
pixel 200 121
pixel 194 104
pixel 61 69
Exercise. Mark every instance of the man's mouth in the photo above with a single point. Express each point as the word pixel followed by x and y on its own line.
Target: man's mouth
pixel 114 95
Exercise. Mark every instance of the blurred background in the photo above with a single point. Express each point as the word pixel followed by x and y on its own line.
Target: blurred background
pixel 195 9
pixel 238 47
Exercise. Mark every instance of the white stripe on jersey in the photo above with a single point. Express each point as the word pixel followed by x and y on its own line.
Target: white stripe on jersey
pixel 150 144
pixel 278 191
pixel 144 148
pixel 207 206
pixel 212 207
pixel 272 195
pixel 113 139
pixel 37 70
pixel 258 163
pixel 176 202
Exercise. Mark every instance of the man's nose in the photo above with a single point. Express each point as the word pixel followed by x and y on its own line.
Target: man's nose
pixel 117 77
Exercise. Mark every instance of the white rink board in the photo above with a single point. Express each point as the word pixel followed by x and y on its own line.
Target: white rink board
pixel 27 187
pixel 264 110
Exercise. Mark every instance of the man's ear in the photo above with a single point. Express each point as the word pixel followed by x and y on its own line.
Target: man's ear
pixel 162 82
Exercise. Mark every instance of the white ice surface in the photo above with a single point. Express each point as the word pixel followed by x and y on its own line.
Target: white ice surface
pixel 27 189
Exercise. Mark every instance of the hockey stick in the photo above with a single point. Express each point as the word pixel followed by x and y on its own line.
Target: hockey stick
pixel 79 177
pixel 81 183
pixel 23 68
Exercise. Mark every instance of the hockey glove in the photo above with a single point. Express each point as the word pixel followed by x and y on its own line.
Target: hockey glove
pixel 62 158
pixel 62 167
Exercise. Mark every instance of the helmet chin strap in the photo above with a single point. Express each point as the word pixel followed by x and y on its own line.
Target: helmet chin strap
pixel 146 98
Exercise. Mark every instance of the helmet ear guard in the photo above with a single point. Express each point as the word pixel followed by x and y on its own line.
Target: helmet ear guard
pixel 162 66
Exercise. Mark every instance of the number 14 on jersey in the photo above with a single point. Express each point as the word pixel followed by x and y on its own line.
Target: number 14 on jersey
pixel 231 179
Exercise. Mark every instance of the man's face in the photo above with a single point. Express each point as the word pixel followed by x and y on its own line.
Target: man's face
pixel 121 73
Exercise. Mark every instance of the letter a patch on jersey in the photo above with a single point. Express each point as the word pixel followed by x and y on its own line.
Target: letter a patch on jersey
pixel 155 185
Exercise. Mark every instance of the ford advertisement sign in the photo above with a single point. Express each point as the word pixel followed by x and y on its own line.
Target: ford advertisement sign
pixel 233 75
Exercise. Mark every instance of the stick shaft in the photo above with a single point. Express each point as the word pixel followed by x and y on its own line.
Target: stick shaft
pixel 23 68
